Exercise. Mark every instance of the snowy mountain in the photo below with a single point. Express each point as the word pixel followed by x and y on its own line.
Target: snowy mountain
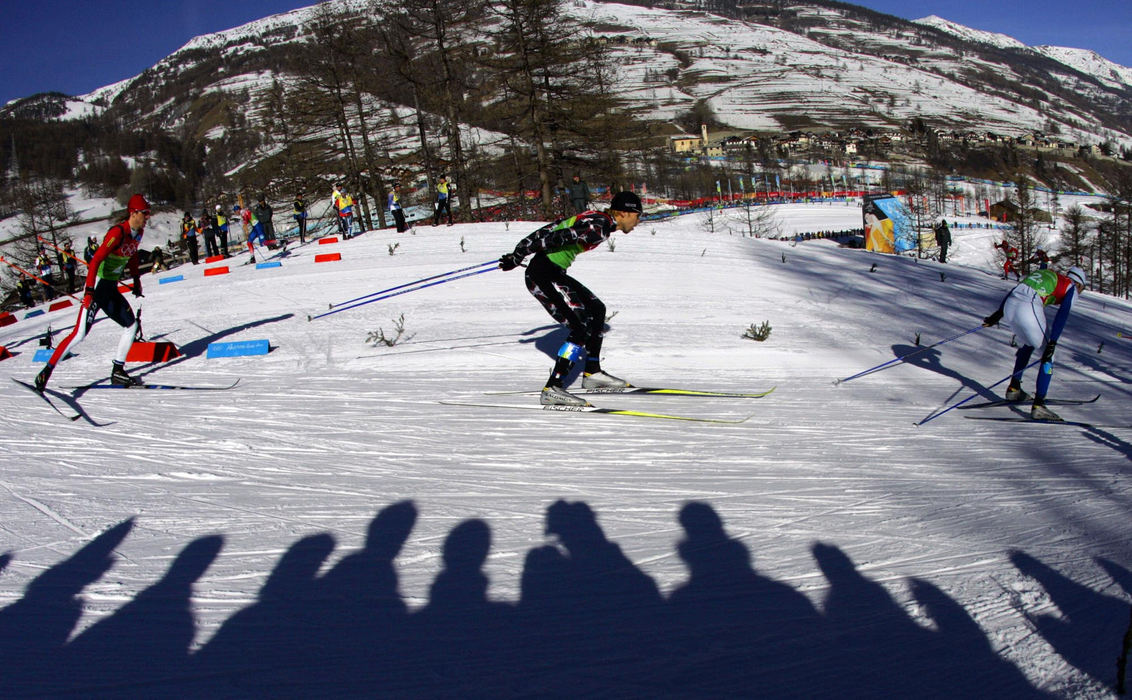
pixel 812 66
pixel 329 528
pixel 1091 63
pixel 1087 62
pixel 965 33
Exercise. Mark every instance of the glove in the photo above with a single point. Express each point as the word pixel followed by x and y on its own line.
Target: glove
pixel 509 262
pixel 1047 354
pixel 993 319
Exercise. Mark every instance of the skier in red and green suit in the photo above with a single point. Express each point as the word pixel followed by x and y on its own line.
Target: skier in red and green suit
pixel 119 251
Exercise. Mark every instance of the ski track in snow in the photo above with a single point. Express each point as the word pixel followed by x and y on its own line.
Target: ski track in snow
pixel 327 430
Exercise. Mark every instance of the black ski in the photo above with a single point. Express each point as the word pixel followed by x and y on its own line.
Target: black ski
pixel 166 387
pixel 43 395
pixel 1049 402
pixel 650 390
pixel 597 409
pixel 1075 423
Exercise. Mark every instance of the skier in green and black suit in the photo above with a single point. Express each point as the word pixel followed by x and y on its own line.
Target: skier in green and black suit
pixel 554 247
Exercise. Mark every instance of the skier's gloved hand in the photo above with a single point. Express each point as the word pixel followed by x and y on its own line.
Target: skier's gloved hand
pixel 993 319
pixel 509 261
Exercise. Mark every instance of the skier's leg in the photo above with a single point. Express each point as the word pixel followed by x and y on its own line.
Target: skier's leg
pixel 82 326
pixel 544 280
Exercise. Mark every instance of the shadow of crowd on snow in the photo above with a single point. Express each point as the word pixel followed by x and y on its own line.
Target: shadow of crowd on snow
pixel 588 623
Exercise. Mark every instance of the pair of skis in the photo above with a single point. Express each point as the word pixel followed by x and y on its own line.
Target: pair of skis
pixel 50 396
pixel 589 408
pixel 1049 402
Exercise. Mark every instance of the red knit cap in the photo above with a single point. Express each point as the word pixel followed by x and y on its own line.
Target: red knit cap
pixel 137 203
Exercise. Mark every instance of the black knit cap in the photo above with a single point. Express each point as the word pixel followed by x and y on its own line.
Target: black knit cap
pixel 627 202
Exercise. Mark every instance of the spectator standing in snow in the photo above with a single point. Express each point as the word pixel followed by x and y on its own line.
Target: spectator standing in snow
pixel 222 230
pixel 23 288
pixel 335 199
pixel 344 203
pixel 264 213
pixel 443 200
pixel 208 228
pixel 569 302
pixel 395 208
pixel 91 246
pixel 1023 309
pixel 70 265
pixel 118 252
pixel 189 235
pixel 299 212
pixel 943 239
pixel 45 271
pixel 579 193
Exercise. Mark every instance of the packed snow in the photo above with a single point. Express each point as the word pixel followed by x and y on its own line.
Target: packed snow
pixel 328 527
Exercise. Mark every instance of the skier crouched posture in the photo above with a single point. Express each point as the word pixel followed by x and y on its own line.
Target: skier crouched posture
pixel 118 251
pixel 1024 310
pixel 554 247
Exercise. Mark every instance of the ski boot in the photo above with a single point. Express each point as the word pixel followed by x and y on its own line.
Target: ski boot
pixel 1039 412
pixel 600 380
pixel 557 396
pixel 1014 394
pixel 119 377
pixel 42 377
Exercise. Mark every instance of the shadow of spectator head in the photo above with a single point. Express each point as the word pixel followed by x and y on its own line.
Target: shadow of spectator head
pixel 389 530
pixel 834 563
pixel 299 565
pixel 706 540
pixel 467 546
pixel 1122 576
pixel 86 565
pixel 701 522
pixel 1028 565
pixel 193 561
pixel 5 560
pixel 574 524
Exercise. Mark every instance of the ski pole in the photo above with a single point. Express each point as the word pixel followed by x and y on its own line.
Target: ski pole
pixel 409 284
pixel 403 291
pixel 972 396
pixel 907 355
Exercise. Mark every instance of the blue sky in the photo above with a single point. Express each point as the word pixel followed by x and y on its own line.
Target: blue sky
pixel 75 46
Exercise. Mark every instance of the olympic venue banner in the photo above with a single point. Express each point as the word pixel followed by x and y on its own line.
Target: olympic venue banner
pixel 888 225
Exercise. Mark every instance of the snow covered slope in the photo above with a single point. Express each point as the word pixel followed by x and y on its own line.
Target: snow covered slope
pixel 329 528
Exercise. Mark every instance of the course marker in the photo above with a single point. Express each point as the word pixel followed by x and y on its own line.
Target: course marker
pixel 239 348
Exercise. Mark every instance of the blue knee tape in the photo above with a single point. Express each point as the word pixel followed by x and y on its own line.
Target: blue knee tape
pixel 570 351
